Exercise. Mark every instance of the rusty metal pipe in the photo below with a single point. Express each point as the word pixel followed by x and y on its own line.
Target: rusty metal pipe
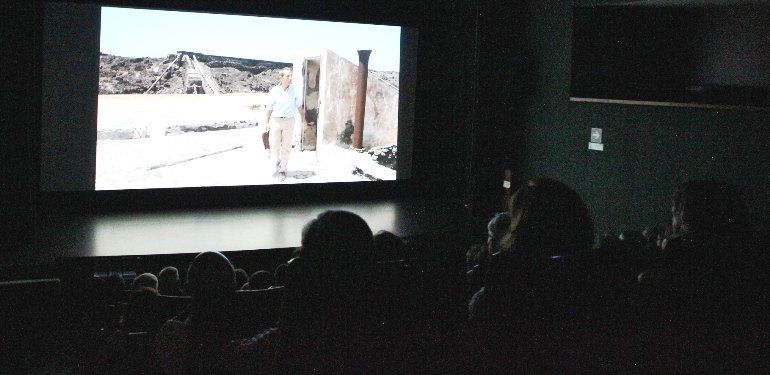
pixel 358 120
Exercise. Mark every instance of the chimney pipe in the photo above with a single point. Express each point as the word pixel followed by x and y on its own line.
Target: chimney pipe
pixel 358 120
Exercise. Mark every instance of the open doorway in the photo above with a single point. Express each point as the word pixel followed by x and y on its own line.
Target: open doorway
pixel 311 82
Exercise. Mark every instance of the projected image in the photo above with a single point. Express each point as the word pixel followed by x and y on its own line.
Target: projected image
pixel 194 99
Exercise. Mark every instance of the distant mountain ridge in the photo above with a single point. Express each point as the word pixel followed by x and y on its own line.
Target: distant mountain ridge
pixel 127 75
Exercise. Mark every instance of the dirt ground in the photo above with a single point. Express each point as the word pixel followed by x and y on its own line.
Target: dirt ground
pixel 168 141
pixel 213 158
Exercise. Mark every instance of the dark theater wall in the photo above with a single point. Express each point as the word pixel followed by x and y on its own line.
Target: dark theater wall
pixel 648 150
pixel 19 117
pixel 479 111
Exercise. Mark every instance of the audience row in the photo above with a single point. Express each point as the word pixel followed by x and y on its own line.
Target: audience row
pixel 542 296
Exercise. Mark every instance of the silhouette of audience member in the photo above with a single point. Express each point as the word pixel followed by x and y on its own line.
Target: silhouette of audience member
pixel 194 341
pixel 477 256
pixel 241 278
pixel 535 282
pixel 115 282
pixel 709 209
pixel 328 312
pixel 550 225
pixel 141 313
pixel 259 280
pixel 496 230
pixel 109 289
pixel 280 274
pixel 389 246
pixel 109 294
pixel 710 257
pixel 329 298
pixel 168 282
pixel 145 280
pixel 706 292
pixel 614 259
pixel 711 225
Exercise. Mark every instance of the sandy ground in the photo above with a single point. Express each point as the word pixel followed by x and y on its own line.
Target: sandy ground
pixel 155 112
pixel 214 158
pixel 208 158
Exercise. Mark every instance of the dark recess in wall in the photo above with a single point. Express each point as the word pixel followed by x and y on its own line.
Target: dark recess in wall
pixel 505 81
pixel 19 116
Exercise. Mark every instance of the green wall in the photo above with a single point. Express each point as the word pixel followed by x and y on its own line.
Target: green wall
pixel 648 150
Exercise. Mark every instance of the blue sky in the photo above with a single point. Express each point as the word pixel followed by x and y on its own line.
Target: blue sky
pixel 154 33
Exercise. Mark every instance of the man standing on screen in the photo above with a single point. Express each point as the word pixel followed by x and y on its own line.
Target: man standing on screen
pixel 282 104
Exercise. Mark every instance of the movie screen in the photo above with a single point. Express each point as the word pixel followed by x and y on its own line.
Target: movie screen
pixel 192 99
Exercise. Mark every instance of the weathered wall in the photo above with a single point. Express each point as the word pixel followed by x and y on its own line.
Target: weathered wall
pixel 338 98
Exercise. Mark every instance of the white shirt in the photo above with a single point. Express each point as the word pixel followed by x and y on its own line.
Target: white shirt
pixel 284 103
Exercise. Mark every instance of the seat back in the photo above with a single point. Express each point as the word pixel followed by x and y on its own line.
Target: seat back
pixel 255 310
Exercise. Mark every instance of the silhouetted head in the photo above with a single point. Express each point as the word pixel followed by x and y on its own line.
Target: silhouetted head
pixel 168 280
pixel 337 243
pixel 710 208
pixel 327 285
pixel 280 274
pixel 549 237
pixel 388 246
pixel 210 276
pixel 110 287
pixel 261 280
pixel 145 280
pixel 548 219
pixel 329 306
pixel 115 282
pixel 241 277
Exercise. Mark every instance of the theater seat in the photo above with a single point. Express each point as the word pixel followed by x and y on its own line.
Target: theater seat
pixel 252 310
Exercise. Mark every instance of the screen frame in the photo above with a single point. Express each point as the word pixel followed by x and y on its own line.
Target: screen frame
pixel 93 201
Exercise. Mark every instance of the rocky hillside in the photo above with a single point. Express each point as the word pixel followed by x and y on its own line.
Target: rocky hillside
pixel 389 77
pixel 125 75
pixel 122 75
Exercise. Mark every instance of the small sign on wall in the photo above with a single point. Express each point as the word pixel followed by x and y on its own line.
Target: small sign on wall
pixel 596 135
pixel 595 142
